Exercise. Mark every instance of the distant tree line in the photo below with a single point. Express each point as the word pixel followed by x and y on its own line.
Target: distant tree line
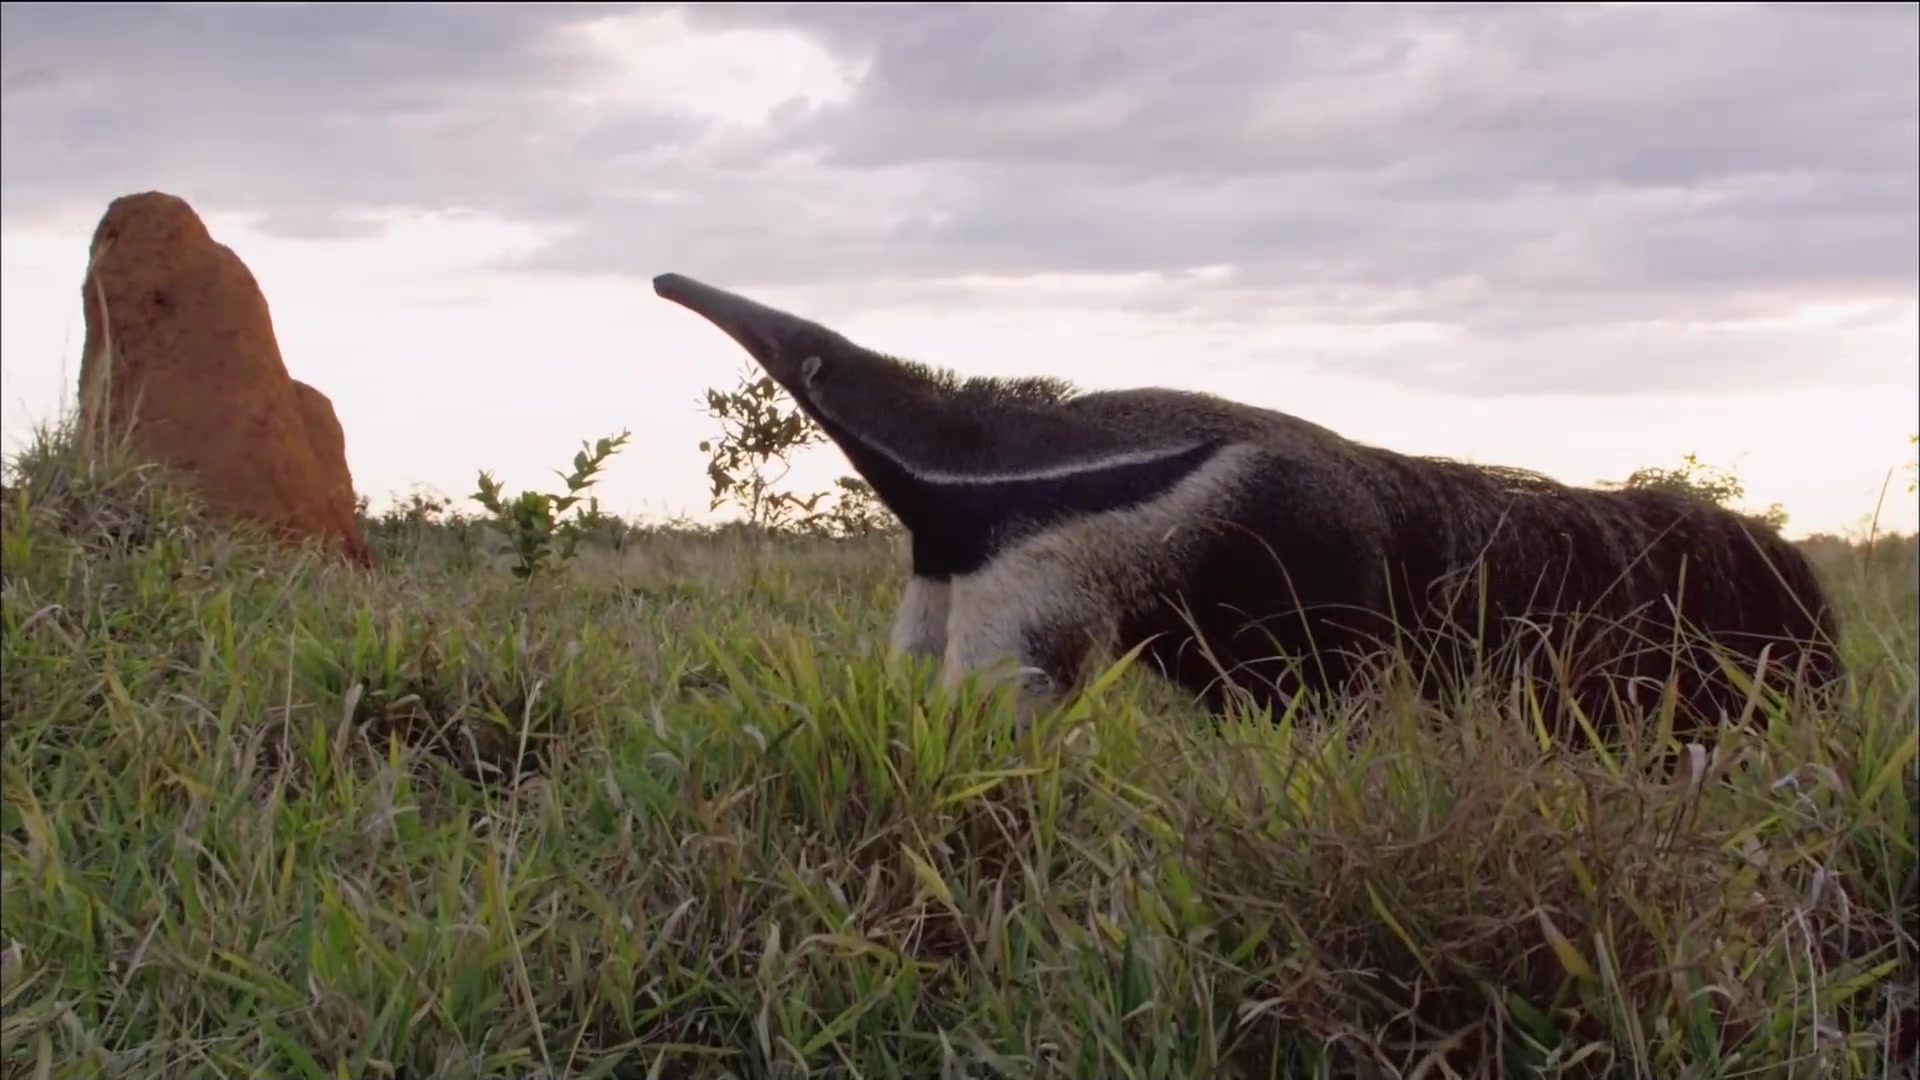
pixel 760 429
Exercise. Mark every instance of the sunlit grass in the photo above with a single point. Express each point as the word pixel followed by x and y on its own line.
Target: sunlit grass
pixel 668 812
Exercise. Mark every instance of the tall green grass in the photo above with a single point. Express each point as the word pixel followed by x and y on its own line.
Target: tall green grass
pixel 669 813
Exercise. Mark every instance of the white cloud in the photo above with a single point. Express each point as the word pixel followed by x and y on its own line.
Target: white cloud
pixel 736 77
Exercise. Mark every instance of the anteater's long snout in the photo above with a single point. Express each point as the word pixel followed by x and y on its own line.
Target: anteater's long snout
pixel 716 304
pixel 767 334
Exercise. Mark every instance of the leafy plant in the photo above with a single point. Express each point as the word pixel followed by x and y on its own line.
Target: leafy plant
pixel 857 511
pixel 533 521
pixel 757 433
pixel 760 431
pixel 1695 478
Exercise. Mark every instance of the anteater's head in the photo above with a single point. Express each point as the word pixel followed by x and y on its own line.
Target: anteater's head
pixel 894 417
pixel 800 355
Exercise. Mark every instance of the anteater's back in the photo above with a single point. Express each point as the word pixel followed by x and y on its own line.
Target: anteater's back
pixel 1460 551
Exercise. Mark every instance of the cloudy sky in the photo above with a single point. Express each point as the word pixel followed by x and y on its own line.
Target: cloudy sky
pixel 1579 239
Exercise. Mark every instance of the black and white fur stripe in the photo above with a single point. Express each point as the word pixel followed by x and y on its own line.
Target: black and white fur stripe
pixel 987 587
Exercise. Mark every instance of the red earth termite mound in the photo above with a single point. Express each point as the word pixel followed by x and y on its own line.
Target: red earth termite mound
pixel 180 355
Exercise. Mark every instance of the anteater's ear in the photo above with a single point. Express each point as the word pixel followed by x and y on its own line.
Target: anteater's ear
pixel 809 368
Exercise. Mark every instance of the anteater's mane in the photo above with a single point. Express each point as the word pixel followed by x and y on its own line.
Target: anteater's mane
pixel 991 389
pixel 1508 478
pixel 1517 481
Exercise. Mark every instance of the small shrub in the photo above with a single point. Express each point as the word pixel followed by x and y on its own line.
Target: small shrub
pixel 533 521
pixel 760 431
pixel 1715 485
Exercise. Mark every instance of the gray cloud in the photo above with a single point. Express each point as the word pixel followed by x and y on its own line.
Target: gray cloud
pixel 1711 147
pixel 1509 169
pixel 305 113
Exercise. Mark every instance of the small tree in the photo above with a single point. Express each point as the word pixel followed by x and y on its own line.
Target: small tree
pixel 1718 486
pixel 760 431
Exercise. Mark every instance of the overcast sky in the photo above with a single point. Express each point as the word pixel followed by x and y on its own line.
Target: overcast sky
pixel 1579 239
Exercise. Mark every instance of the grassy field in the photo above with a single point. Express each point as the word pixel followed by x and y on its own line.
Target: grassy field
pixel 667 813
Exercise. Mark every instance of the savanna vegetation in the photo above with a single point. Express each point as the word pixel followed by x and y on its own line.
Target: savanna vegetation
pixel 553 794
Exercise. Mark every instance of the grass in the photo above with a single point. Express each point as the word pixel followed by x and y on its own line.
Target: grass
pixel 668 813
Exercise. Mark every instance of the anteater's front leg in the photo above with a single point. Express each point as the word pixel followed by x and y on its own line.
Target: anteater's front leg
pixel 1028 615
pixel 920 627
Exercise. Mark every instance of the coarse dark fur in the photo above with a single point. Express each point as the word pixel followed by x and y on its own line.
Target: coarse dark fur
pixel 1319 551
